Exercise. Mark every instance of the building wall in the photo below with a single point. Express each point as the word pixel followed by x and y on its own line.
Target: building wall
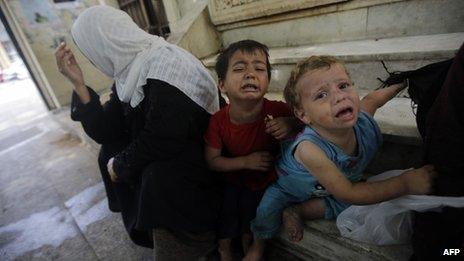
pixel 45 24
pixel 186 5
pixel 339 21
pixel 181 13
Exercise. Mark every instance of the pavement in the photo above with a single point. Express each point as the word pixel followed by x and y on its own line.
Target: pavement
pixel 52 200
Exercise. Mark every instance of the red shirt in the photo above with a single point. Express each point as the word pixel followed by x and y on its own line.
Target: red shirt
pixel 237 140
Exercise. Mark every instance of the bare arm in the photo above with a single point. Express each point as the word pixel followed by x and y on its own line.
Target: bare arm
pixel 261 160
pixel 324 170
pixel 376 99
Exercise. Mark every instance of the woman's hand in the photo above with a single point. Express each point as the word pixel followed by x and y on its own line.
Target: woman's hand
pixel 69 67
pixel 113 175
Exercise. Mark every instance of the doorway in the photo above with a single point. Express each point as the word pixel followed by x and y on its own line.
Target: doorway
pixel 28 64
pixel 20 99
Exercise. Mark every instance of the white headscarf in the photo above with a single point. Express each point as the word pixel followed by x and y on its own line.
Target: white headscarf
pixel 119 48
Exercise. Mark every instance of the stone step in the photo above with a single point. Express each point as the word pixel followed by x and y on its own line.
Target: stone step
pixel 322 241
pixel 363 58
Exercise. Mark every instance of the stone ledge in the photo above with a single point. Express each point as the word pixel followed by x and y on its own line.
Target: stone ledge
pixel 439 46
pixel 322 241
pixel 362 58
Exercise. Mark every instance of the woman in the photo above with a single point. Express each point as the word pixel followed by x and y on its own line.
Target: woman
pixel 150 130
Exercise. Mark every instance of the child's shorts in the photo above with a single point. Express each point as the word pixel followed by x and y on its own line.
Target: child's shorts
pixel 238 209
pixel 269 213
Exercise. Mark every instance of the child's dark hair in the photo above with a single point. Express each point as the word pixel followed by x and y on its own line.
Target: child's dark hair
pixel 246 46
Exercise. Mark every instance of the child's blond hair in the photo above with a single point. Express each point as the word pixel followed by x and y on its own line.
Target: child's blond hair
pixel 315 62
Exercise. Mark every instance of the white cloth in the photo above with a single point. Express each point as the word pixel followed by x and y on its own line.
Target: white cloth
pixel 119 48
pixel 389 222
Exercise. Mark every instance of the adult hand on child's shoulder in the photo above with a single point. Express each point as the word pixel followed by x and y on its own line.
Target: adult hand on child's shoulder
pixel 419 181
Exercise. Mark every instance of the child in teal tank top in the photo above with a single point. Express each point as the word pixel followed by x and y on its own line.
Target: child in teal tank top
pixel 319 170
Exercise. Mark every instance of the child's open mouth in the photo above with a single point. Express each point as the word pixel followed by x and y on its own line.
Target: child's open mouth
pixel 250 87
pixel 346 113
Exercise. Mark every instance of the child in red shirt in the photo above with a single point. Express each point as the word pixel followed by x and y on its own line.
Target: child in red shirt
pixel 242 138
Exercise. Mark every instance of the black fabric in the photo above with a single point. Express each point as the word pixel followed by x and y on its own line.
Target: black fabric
pixel 424 84
pixel 436 231
pixel 122 196
pixel 108 151
pixel 158 150
pixel 103 123
pixel 438 91
pixel 177 189
pixel 443 135
pixel 238 210
pixel 444 139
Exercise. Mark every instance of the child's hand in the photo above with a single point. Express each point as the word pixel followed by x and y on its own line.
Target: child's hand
pixel 280 128
pixel 399 86
pixel 260 160
pixel 419 181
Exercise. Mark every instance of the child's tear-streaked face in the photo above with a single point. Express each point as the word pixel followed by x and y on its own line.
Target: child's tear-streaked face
pixel 328 98
pixel 246 77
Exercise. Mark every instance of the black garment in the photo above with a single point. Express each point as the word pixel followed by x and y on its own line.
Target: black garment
pixel 424 84
pixel 238 210
pixel 158 149
pixel 444 148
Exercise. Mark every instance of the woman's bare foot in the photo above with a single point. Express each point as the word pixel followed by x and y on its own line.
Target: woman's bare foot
pixel 293 224
pixel 255 252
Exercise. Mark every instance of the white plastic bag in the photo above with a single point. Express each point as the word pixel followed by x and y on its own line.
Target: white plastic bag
pixel 389 222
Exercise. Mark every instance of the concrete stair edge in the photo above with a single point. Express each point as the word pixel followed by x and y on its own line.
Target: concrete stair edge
pixel 323 241
pixel 436 46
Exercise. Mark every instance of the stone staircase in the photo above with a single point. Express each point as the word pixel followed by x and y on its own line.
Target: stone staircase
pixel 406 35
